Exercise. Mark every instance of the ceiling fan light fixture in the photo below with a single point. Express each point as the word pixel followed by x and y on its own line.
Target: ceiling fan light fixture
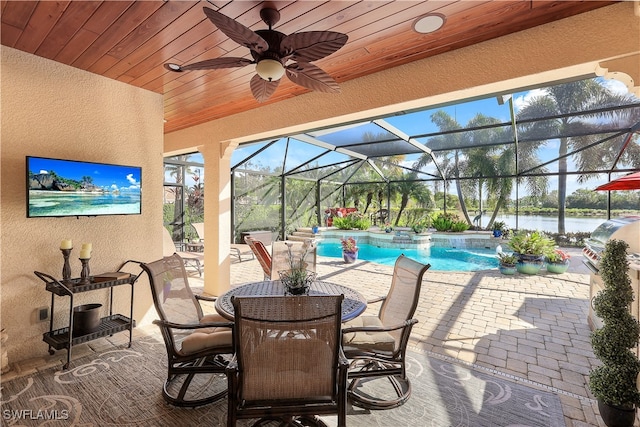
pixel 270 69
pixel 428 23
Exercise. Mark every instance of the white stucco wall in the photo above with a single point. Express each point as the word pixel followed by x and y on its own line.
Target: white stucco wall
pixel 53 110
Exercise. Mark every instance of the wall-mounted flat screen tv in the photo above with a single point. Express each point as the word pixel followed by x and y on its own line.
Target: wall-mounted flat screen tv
pixel 57 188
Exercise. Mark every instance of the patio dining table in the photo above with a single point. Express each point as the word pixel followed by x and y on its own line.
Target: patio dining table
pixel 353 305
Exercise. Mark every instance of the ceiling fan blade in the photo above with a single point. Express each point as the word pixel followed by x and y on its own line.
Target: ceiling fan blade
pixel 263 89
pixel 213 64
pixel 311 45
pixel 312 77
pixel 236 31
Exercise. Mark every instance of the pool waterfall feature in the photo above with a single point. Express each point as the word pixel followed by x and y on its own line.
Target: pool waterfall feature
pixel 404 238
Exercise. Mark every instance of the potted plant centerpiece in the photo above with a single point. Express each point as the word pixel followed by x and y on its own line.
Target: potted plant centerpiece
pixel 297 279
pixel 557 261
pixel 531 248
pixel 508 263
pixel 349 250
pixel 614 382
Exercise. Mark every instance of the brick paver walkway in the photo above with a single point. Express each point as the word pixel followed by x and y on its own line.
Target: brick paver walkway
pixel 531 329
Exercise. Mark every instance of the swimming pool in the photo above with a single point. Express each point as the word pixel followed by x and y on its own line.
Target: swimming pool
pixel 441 259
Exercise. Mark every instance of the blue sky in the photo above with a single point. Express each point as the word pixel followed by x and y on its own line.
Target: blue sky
pixel 103 175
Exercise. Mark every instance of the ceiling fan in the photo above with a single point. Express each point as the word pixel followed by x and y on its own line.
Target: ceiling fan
pixel 274 54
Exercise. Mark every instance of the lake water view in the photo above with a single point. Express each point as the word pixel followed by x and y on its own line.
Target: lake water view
pixel 547 223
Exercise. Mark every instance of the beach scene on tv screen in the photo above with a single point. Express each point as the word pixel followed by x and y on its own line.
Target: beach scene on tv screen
pixel 64 187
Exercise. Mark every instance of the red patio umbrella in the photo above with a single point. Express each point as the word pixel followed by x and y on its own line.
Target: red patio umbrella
pixel 627 182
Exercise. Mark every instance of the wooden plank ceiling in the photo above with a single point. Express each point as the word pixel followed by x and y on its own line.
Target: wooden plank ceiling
pixel 131 40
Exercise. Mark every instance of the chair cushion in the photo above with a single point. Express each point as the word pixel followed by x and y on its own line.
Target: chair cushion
pixel 370 340
pixel 207 337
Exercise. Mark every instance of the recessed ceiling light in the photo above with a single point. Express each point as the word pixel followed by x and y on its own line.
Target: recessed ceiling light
pixel 428 23
pixel 173 67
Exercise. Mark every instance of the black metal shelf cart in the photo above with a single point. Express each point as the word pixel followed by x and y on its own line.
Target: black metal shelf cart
pixel 64 338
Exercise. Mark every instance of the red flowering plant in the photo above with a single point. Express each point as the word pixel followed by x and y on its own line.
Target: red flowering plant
pixel 558 256
pixel 349 244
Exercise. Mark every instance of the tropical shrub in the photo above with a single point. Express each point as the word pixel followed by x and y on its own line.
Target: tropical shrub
pixel 444 221
pixel 459 226
pixel 354 220
pixel 534 243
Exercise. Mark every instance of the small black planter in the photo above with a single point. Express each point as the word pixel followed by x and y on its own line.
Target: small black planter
pixel 615 416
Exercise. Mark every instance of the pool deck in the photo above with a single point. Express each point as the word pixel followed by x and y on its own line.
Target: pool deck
pixel 529 329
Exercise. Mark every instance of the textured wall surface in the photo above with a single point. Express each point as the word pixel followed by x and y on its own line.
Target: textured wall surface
pixel 53 110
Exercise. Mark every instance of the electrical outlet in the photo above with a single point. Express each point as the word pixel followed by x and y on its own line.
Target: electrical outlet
pixel 43 313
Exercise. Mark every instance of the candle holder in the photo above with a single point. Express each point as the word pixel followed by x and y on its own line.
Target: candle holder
pixel 66 269
pixel 84 274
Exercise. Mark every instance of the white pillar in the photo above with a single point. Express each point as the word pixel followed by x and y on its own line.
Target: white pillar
pixel 217 216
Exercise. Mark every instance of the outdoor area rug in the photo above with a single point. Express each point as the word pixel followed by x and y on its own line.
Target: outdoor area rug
pixel 122 387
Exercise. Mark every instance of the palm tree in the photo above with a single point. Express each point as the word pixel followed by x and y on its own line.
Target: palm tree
pixel 452 168
pixel 407 187
pixel 557 102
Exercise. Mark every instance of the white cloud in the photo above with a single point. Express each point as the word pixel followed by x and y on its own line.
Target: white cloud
pixel 520 102
pixel 131 179
pixel 114 187
pixel 43 172
pixel 615 86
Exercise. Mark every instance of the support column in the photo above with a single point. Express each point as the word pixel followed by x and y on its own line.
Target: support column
pixel 217 216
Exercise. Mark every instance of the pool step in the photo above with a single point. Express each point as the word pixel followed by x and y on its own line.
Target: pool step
pixel 301 234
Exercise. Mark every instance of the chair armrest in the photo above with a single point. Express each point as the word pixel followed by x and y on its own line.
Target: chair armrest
pixel 232 366
pixel 171 325
pixel 377 299
pixel 342 359
pixel 380 329
pixel 205 298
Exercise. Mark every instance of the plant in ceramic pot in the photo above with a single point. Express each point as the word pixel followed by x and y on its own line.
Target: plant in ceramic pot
pixel 499 228
pixel 531 248
pixel 349 249
pixel 508 263
pixel 557 261
pixel 614 382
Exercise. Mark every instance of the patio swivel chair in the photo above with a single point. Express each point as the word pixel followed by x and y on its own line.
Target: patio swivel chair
pixel 288 365
pixel 376 345
pixel 198 346
pixel 261 253
pixel 272 264
pixel 191 259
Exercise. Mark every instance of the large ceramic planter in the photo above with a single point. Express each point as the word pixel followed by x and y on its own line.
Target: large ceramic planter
pixel 529 267
pixel 614 416
pixel 529 264
pixel 508 269
pixel 558 267
pixel 497 233
pixel 349 257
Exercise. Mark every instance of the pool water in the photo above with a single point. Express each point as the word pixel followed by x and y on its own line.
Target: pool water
pixel 441 259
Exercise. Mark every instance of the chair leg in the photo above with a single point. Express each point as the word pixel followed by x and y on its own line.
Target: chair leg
pixel 178 399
